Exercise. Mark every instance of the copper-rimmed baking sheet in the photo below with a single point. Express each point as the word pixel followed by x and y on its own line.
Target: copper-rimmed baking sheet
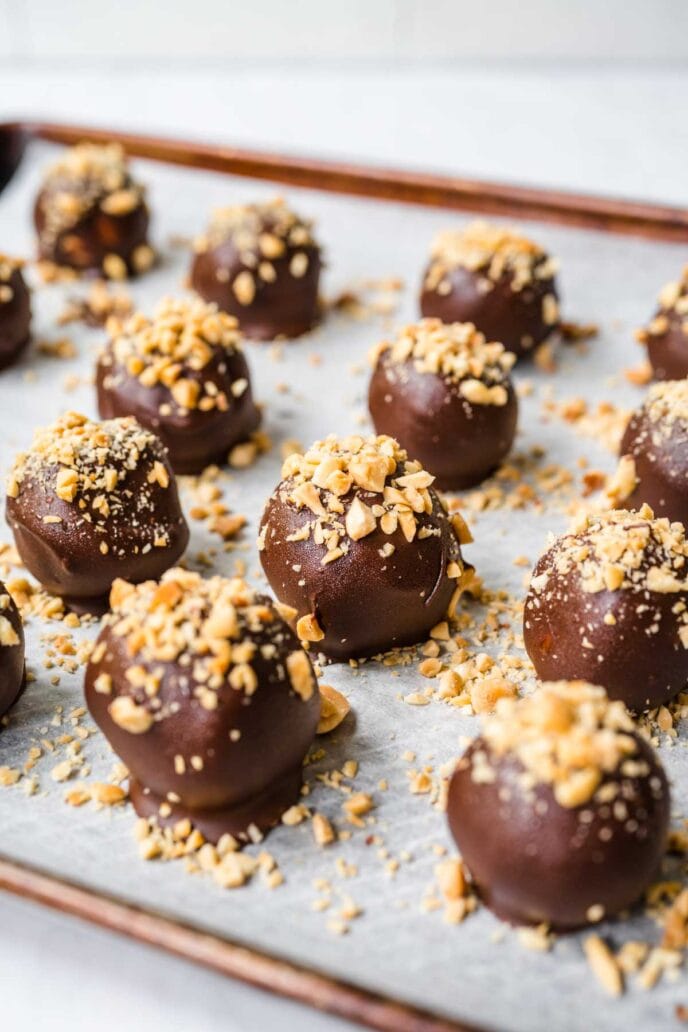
pixel 477 973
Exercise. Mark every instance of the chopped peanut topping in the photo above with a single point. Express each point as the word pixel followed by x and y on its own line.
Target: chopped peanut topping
pixel 8 636
pixel 604 965
pixel 496 252
pixel 323 832
pixel 623 483
pixel 457 352
pixel 213 627
pixel 301 674
pixel 360 520
pixel 673 305
pixel 567 735
pixel 88 466
pixel 357 805
pixel 173 351
pixel 308 628
pixel 262 234
pixel 334 707
pixel 356 486
pixel 88 177
pixel 451 878
pixel 8 266
pixel 619 551
pixel 665 405
pixel 127 715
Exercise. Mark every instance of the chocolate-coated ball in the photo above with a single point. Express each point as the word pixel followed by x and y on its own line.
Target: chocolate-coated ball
pixel 608 603
pixel 666 335
pixel 91 216
pixel 260 263
pixel 560 809
pixel 355 540
pixel 183 375
pixel 90 502
pixel 15 311
pixel 654 454
pixel 446 395
pixel 496 279
pixel 11 651
pixel 207 696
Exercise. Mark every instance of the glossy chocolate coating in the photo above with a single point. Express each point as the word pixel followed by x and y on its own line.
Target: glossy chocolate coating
pixel 661 466
pixel 459 442
pixel 639 658
pixel 287 305
pixel 364 604
pixel 666 335
pixel 15 318
pixel 11 653
pixel 194 438
pixel 91 215
pixel 668 352
pixel 666 340
pixel 250 778
pixel 86 245
pixel 534 861
pixel 66 556
pixel 513 317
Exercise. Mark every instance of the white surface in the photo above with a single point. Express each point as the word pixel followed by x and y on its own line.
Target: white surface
pixel 591 128
pixel 63 974
pixel 406 30
pixel 607 130
pixel 605 279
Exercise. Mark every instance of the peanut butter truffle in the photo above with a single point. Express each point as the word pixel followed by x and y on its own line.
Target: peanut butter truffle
pixel 15 311
pixel 205 693
pixel 560 809
pixel 653 468
pixel 496 279
pixel 11 651
pixel 358 544
pixel 446 395
pixel 92 501
pixel 666 335
pixel 91 215
pixel 183 375
pixel 260 263
pixel 607 603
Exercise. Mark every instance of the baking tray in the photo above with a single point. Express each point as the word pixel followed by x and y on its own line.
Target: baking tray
pixel 398 968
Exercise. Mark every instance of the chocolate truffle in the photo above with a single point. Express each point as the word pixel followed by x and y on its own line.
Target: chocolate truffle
pixel 91 216
pixel 446 396
pixel 183 375
pixel 205 693
pixel 559 809
pixel 608 603
pixel 15 311
pixel 260 263
pixel 666 335
pixel 496 279
pixel 11 651
pixel 91 501
pixel 356 541
pixel 654 454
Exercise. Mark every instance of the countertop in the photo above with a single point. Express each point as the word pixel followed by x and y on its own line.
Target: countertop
pixel 605 129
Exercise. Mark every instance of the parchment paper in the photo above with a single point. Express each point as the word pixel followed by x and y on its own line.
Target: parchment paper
pixel 394 947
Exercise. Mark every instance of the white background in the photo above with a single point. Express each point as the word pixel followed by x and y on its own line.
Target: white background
pixel 589 95
pixel 322 31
